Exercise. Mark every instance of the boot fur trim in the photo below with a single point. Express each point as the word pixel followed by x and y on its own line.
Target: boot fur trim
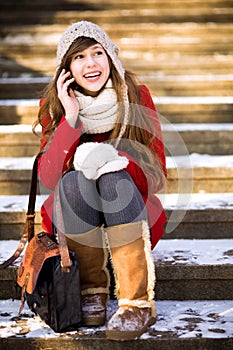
pixel 149 260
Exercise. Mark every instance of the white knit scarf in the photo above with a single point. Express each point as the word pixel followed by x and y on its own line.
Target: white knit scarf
pixel 98 114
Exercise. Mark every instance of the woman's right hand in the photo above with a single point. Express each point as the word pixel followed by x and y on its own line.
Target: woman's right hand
pixel 67 97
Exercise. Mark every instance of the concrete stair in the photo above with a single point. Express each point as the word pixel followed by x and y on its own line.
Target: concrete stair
pixel 182 51
pixel 185 173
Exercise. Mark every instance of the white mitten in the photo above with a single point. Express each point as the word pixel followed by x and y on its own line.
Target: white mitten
pixel 95 159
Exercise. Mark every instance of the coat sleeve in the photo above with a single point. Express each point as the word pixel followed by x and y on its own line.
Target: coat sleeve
pixel 56 152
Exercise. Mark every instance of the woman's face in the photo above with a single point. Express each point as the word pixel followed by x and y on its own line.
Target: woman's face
pixel 90 69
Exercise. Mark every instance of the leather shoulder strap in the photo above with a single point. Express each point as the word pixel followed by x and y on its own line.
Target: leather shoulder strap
pixel 63 248
pixel 28 230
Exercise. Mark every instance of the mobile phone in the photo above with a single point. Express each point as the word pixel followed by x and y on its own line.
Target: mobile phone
pixel 73 85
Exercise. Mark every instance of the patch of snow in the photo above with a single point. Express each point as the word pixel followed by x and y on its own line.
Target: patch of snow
pixel 25 80
pixel 20 102
pixel 204 100
pixel 197 127
pixel 18 128
pixel 194 251
pixel 19 203
pixel 175 251
pixel 170 201
pixel 7 248
pixel 196 160
pixel 203 317
pixel 184 319
pixel 196 201
pixel 22 163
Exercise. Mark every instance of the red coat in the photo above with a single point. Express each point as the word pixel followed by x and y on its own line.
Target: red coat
pixel 54 162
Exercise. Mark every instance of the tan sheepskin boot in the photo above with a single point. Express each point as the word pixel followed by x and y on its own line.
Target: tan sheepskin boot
pixel 134 270
pixel 94 276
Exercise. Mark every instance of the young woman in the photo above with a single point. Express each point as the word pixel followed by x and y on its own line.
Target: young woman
pixel 102 143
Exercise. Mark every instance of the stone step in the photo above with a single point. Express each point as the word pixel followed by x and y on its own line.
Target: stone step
pixel 190 216
pixel 164 32
pixel 162 36
pixel 180 325
pixel 212 139
pixel 164 64
pixel 159 84
pixel 130 47
pixel 19 141
pixel 176 109
pixel 195 172
pixel 173 63
pixel 195 109
pixel 199 269
pixel 112 4
pixel 221 14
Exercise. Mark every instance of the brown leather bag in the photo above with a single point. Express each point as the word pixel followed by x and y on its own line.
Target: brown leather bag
pixel 49 272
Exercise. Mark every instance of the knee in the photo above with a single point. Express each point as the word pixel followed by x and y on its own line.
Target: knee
pixel 115 184
pixel 72 179
pixel 111 179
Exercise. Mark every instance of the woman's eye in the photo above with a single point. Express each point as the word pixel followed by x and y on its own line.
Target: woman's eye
pixel 97 53
pixel 78 57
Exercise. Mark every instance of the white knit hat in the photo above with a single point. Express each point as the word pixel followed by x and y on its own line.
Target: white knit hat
pixel 91 30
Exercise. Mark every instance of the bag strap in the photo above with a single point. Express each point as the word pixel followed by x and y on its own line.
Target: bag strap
pixel 29 231
pixel 63 248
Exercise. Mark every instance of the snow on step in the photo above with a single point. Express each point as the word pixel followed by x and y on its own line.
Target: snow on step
pixel 171 201
pixel 194 160
pixel 182 319
pixel 194 252
pixel 180 127
pixel 157 100
pixel 173 251
pixel 168 127
pixel 15 129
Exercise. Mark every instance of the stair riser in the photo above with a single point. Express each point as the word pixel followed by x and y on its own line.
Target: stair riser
pixel 157 87
pixel 100 342
pixel 181 113
pixel 215 185
pixel 214 142
pixel 195 224
pixel 183 285
pixel 62 17
pixel 109 5
pixel 165 63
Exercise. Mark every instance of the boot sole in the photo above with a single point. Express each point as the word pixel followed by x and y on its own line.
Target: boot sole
pixel 128 335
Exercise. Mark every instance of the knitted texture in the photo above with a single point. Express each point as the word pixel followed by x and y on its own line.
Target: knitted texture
pixel 98 114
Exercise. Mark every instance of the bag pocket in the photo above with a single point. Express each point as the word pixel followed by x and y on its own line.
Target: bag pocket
pixel 56 297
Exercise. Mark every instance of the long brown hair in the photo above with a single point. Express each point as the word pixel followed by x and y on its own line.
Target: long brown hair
pixel 139 131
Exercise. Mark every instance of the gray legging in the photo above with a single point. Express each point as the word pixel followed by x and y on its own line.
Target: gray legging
pixel 111 200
